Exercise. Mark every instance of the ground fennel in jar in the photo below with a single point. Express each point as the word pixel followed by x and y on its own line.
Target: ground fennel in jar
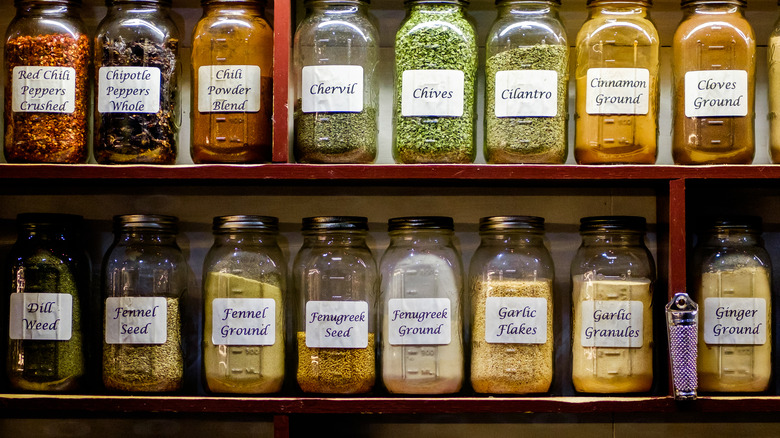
pixel 336 370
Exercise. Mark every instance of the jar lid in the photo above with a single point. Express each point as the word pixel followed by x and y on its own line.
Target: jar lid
pixel 208 2
pixel 246 222
pixel 420 223
pixel 335 223
pixel 646 3
pixel 166 3
pixel 499 223
pixel 17 3
pixel 154 222
pixel 60 221
pixel 613 223
pixel 733 222
pixel 448 2
pixel 742 3
pixel 555 2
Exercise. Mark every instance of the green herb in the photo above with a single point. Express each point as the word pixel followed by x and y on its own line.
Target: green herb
pixel 436 37
pixel 335 137
pixel 527 139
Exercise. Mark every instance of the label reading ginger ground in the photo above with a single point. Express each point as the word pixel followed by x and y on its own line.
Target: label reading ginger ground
pixel 618 91
pixel 419 321
pixel 438 93
pixel 336 324
pixel 228 88
pixel 41 316
pixel 732 321
pixel 515 320
pixel 136 320
pixel 526 93
pixel 243 321
pixel 128 90
pixel 612 324
pixel 43 89
pixel 332 88
pixel 711 93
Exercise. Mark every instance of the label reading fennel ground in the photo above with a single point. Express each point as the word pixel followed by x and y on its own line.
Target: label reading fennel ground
pixel 243 321
pixel 618 91
pixel 526 93
pixel 419 321
pixel 228 88
pixel 437 93
pixel 41 316
pixel 43 89
pixel 128 90
pixel 515 320
pixel 336 324
pixel 731 321
pixel 612 324
pixel 136 320
pixel 711 93
pixel 332 88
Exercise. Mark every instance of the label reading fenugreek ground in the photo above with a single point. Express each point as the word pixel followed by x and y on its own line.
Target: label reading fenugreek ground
pixel 618 91
pixel 711 93
pixel 243 321
pixel 43 89
pixel 612 323
pixel 228 88
pixel 336 324
pixel 419 321
pixel 41 316
pixel 136 320
pixel 128 90
pixel 332 88
pixel 432 93
pixel 515 320
pixel 526 93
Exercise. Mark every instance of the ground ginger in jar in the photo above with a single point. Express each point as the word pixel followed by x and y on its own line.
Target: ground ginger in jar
pixel 773 52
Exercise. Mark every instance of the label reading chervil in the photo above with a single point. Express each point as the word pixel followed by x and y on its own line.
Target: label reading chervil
pixel 136 320
pixel 43 89
pixel 336 324
pixel 419 321
pixel 711 93
pixel 332 88
pixel 243 321
pixel 41 316
pixel 228 88
pixel 128 89
pixel 526 93
pixel 436 93
pixel 515 320
pixel 612 324
pixel 732 321
pixel 618 91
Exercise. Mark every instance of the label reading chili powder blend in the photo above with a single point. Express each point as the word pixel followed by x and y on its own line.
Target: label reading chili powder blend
pixel 228 88
pixel 44 89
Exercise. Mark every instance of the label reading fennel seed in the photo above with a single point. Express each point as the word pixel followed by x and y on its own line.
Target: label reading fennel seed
pixel 332 88
pixel 612 324
pixel 243 321
pixel 41 316
pixel 128 89
pixel 136 320
pixel 526 93
pixel 419 321
pixel 711 93
pixel 731 321
pixel 515 320
pixel 618 91
pixel 43 89
pixel 228 88
pixel 437 93
pixel 336 324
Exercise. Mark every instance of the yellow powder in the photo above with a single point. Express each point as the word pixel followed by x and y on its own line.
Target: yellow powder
pixel 336 370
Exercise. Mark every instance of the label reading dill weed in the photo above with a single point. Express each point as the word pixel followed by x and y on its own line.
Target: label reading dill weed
pixel 128 90
pixel 43 89
pixel 612 324
pixel 332 88
pixel 228 88
pixel 732 321
pixel 526 93
pixel 515 320
pixel 243 321
pixel 618 91
pixel 336 324
pixel 41 316
pixel 437 93
pixel 136 320
pixel 711 93
pixel 419 321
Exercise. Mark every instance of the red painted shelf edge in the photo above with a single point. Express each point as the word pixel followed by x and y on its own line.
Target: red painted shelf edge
pixel 282 38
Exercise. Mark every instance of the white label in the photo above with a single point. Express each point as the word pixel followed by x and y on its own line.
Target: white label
pixel 515 320
pixel 432 93
pixel 337 324
pixel 243 321
pixel 128 89
pixel 229 88
pixel 419 321
pixel 618 91
pixel 526 93
pixel 731 321
pixel 716 93
pixel 136 320
pixel 44 89
pixel 612 324
pixel 332 88
pixel 41 316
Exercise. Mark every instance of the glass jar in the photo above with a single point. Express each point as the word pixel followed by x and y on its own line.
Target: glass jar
pixel 613 275
pixel 335 52
pixel 714 68
pixel 617 84
pixel 733 284
pixel 511 278
pixel 48 283
pixel 144 279
pixel 244 277
pixel 773 52
pixel 46 62
pixel 137 67
pixel 526 84
pixel 232 92
pixel 420 306
pixel 335 277
pixel 434 112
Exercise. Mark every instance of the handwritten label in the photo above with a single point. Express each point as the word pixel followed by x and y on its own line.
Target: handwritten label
pixel 41 316
pixel 43 89
pixel 515 320
pixel 711 93
pixel 419 321
pixel 618 91
pixel 128 89
pixel 732 321
pixel 228 88
pixel 136 320
pixel 337 324
pixel 612 324
pixel 332 88
pixel 243 321
pixel 432 93
pixel 526 93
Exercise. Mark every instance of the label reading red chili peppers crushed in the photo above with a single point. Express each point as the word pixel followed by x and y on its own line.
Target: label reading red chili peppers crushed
pixel 43 89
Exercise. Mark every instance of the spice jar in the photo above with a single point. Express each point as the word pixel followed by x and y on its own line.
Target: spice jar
pixel 733 278
pixel 244 278
pixel 144 279
pixel 46 59
pixel 335 53
pixel 232 92
pixel 617 84
pixel 526 84
pixel 335 277
pixel 137 85
pixel 420 306
pixel 48 283
pixel 714 67
pixel 435 84
pixel 612 298
pixel 511 279
pixel 773 52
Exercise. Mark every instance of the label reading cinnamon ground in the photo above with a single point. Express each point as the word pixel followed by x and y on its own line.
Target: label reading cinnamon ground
pixel 618 91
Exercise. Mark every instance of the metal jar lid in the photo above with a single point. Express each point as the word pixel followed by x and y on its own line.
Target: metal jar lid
pixel 246 222
pixel 752 224
pixel 335 223
pixel 506 223
pixel 147 222
pixel 420 223
pixel 613 223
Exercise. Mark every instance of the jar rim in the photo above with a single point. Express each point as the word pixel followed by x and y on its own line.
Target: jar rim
pixel 500 223
pixel 742 3
pixel 421 223
pixel 55 221
pixel 254 2
pixel 555 2
pixel 154 222
pixel 645 3
pixel 453 2
pixel 166 3
pixel 746 223
pixel 613 223
pixel 334 223
pixel 306 2
pixel 18 3
pixel 248 222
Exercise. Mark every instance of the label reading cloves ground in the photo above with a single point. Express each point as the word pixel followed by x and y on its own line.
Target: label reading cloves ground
pixel 526 93
pixel 43 89
pixel 618 91
pixel 41 316
pixel 228 88
pixel 437 93
pixel 128 89
pixel 332 88
pixel 711 93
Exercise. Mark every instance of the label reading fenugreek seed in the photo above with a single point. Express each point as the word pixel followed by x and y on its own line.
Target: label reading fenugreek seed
pixel 43 89
pixel 437 93
pixel 618 91
pixel 136 320
pixel 228 88
pixel 612 323
pixel 243 321
pixel 419 321
pixel 711 93
pixel 128 90
pixel 515 320
pixel 526 93
pixel 332 88
pixel 732 321
pixel 41 316
pixel 336 324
